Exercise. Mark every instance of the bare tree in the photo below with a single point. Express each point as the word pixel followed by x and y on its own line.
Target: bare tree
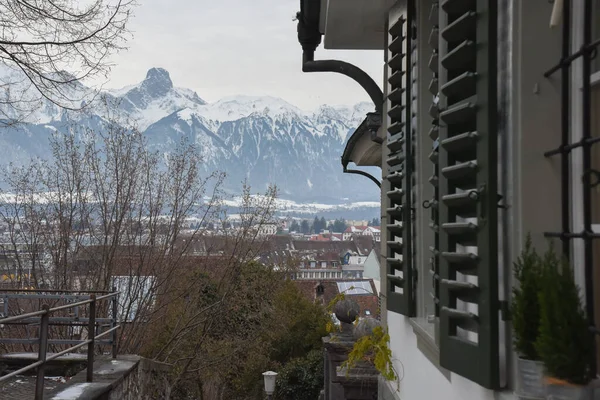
pixel 49 46
pixel 106 212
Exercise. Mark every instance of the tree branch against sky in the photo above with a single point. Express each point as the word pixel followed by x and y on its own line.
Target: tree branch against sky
pixel 51 45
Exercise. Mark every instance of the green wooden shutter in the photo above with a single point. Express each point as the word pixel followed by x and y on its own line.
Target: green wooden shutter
pixel 469 306
pixel 434 156
pixel 401 275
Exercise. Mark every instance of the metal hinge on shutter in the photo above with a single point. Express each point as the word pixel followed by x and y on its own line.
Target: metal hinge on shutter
pixel 401 276
pixel 469 309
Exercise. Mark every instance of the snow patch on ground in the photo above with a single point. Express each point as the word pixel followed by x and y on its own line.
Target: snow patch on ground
pixel 72 392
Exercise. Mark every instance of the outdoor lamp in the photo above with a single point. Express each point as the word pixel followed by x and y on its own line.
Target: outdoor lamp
pixel 269 377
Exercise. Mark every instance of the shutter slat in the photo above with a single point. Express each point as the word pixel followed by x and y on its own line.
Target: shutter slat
pixel 395 212
pixel 461 143
pixel 434 132
pixel 460 57
pixel 464 291
pixel 397 27
pixel 397 112
pixel 397 61
pixel 433 63
pixel 433 37
pixel 396 78
pixel 459 7
pixel 458 113
pixel 434 180
pixel 461 175
pixel 397 45
pixel 396 95
pixel 396 280
pixel 462 204
pixel 463 26
pixel 396 127
pixel 396 142
pixel 395 245
pixel 395 177
pixel 433 86
pixel 461 87
pixel 396 159
pixel 396 194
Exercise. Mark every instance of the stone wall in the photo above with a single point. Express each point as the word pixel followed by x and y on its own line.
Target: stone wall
pixel 126 378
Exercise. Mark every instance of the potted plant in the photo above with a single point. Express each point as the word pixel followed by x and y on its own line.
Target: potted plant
pixel 525 310
pixel 565 343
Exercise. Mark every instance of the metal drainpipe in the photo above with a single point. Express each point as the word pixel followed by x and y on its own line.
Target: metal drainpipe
pixel 363 173
pixel 352 71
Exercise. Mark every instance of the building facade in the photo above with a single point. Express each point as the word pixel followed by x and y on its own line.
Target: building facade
pixel 483 135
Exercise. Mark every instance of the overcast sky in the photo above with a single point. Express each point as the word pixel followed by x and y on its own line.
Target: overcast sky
pixel 227 47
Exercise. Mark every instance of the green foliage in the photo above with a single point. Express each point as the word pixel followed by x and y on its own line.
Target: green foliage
pixel 304 227
pixel 374 222
pixel 292 328
pixel 374 348
pixel 564 344
pixel 301 378
pixel 339 225
pixel 525 310
pixel 295 226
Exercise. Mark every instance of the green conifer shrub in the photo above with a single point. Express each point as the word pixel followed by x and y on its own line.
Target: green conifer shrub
pixel 565 343
pixel 525 308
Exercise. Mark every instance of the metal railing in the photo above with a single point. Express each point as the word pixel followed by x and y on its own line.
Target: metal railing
pixel 43 359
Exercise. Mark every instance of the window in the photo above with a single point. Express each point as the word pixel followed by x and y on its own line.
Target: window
pixel 313 264
pixel 323 264
pixel 355 288
pixel 582 156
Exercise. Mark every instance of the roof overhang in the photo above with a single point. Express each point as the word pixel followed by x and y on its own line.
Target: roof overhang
pixel 354 24
pixel 364 146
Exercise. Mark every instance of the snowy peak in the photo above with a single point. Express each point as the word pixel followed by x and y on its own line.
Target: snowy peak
pixel 158 82
pixel 236 107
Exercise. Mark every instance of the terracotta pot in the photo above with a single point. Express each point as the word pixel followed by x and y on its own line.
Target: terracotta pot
pixel 530 379
pixel 557 389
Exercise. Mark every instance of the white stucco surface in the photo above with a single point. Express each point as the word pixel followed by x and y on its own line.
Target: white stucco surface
pixel 420 379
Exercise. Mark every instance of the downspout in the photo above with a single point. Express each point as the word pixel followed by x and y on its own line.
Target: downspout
pixel 341 67
pixel 309 36
pixel 363 173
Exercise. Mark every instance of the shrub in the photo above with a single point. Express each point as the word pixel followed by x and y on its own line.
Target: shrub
pixel 525 307
pixel 301 378
pixel 565 343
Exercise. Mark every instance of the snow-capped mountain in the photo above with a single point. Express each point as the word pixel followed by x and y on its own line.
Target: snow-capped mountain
pixel 262 139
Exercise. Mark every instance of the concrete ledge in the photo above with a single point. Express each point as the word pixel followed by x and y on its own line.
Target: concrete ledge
pixel 109 374
pixel 93 390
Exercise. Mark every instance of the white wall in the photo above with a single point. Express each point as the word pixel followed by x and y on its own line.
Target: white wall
pixel 420 379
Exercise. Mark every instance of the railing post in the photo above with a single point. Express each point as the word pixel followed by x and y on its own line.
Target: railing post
pixel 114 323
pixel 91 338
pixel 43 346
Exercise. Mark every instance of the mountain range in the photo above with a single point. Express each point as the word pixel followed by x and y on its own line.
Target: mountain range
pixel 264 140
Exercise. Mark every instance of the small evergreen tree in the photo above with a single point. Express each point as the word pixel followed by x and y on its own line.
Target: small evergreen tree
pixel 525 302
pixel 304 227
pixel 295 227
pixel 565 343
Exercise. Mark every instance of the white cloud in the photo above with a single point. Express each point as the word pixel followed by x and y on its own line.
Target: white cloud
pixel 229 47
